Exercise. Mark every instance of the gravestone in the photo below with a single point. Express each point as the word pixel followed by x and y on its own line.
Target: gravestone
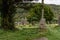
pixel 42 38
pixel 24 21
pixel 42 24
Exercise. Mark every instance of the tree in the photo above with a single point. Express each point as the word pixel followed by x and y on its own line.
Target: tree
pixel 35 13
pixel 7 14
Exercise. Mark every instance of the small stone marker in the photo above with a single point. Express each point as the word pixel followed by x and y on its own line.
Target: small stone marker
pixel 24 21
pixel 42 38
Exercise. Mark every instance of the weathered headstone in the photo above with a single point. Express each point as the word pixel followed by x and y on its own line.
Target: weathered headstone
pixel 42 24
pixel 24 21
pixel 42 38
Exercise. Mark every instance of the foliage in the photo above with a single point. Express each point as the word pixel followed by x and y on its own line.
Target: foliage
pixel 35 13
pixel 56 9
pixel 7 13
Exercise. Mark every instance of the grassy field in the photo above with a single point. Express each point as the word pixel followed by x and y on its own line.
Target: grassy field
pixel 30 34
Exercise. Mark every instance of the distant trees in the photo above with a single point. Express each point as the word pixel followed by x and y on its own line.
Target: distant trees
pixel 34 12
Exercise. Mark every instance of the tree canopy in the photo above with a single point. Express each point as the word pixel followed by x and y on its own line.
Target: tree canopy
pixel 35 13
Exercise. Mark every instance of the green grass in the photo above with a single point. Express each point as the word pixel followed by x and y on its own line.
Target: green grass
pixel 30 34
pixel 25 34
pixel 53 33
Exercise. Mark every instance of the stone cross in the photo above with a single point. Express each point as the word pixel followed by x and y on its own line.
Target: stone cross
pixel 42 23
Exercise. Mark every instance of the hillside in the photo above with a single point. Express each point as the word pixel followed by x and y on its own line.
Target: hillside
pixel 56 9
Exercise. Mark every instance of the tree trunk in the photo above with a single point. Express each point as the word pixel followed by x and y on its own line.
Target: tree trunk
pixel 8 10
